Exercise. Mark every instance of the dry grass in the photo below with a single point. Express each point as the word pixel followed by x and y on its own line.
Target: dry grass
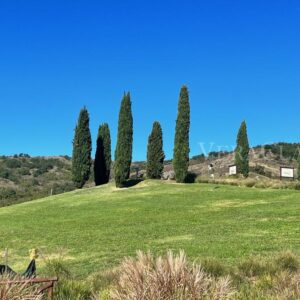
pixel 252 182
pixel 18 291
pixel 169 277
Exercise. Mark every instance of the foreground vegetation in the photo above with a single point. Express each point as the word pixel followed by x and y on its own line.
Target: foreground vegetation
pixel 173 277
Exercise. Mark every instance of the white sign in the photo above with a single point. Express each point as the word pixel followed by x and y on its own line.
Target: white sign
pixel 287 172
pixel 232 170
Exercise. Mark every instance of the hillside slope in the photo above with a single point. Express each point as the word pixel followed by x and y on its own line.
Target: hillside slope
pixel 25 178
pixel 97 227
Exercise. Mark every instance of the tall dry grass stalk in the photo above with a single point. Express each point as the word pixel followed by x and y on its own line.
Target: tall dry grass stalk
pixel 170 277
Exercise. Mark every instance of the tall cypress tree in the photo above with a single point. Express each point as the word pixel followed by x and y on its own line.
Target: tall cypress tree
pixel 123 152
pixel 103 155
pixel 82 147
pixel 181 145
pixel 298 170
pixel 155 153
pixel 242 151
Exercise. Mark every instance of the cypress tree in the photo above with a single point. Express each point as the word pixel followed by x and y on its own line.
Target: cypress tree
pixel 103 155
pixel 242 151
pixel 82 147
pixel 181 144
pixel 123 152
pixel 298 170
pixel 155 153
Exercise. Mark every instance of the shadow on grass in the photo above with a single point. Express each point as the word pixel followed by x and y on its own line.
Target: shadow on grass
pixel 131 182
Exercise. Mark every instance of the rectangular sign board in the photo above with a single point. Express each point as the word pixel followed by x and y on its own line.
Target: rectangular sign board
pixel 232 170
pixel 286 172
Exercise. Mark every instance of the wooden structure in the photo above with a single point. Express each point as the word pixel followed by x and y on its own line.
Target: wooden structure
pixel 47 284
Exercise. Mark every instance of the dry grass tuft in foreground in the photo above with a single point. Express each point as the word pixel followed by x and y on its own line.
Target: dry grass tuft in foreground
pixel 169 277
pixel 18 291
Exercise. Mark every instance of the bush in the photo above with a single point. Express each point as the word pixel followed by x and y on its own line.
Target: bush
pixel 13 163
pixel 288 261
pixel 250 183
pixel 191 177
pixel 24 171
pixel 5 173
pixel 252 267
pixel 7 193
pixel 72 290
pixel 167 278
pixel 214 267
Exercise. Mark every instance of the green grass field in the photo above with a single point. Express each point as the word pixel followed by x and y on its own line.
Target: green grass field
pixel 97 227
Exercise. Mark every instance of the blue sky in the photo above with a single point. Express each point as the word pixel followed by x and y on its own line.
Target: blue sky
pixel 239 59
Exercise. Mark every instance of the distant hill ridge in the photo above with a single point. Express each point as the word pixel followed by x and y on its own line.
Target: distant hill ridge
pixel 25 178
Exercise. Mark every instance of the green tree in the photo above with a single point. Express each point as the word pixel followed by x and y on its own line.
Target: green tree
pixel 181 144
pixel 155 153
pixel 123 152
pixel 103 155
pixel 298 170
pixel 242 151
pixel 82 147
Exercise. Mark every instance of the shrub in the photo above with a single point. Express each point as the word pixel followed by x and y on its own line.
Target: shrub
pixel 13 163
pixel 7 193
pixel 57 267
pixel 101 281
pixel 5 173
pixel 288 261
pixel 213 266
pixel 24 171
pixel 252 267
pixel 72 290
pixel 167 278
pixel 191 177
pixel 250 183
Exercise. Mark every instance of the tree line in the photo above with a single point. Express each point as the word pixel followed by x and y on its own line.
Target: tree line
pixel 82 147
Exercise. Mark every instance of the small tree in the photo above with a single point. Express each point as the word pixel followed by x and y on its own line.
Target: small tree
pixel 123 152
pixel 82 147
pixel 181 145
pixel 155 153
pixel 242 151
pixel 103 155
pixel 298 170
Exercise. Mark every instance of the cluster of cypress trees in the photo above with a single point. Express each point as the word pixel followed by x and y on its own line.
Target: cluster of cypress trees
pixel 82 147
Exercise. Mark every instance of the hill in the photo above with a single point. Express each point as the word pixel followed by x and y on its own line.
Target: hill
pixel 97 227
pixel 25 178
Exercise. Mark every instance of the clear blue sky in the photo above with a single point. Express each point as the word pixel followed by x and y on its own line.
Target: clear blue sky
pixel 240 60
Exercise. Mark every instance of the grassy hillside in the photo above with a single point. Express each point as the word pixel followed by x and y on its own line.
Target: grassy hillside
pixel 97 227
pixel 25 178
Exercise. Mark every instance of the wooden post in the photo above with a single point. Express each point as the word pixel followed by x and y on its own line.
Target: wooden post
pixel 50 293
pixel 6 259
